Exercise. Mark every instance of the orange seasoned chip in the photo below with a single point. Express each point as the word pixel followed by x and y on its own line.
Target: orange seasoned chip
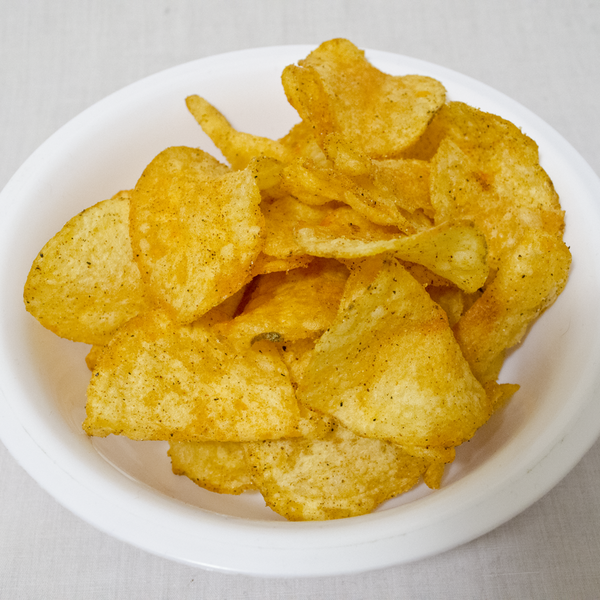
pixel 196 229
pixel 290 306
pixel 529 279
pixel 161 381
pixel 337 90
pixel 456 251
pixel 487 170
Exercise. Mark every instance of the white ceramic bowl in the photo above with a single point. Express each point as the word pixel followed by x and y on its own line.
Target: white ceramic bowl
pixel 127 489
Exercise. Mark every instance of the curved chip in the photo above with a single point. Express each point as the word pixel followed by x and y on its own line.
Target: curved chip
pixel 389 368
pixel 238 147
pixel 282 218
pixel 291 305
pixel 160 381
pixel 84 283
pixel 529 280
pixel 337 90
pixel 215 466
pixel 455 251
pixel 196 229
pixel 336 476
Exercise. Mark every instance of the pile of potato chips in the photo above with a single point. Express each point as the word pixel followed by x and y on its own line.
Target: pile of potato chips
pixel 324 319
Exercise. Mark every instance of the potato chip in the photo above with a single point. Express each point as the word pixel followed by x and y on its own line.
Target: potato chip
pixel 282 218
pixel 451 299
pixel 160 381
pixel 387 192
pixel 389 368
pixel 338 91
pixel 340 475
pixel 296 355
pixel 345 222
pixel 237 147
pixel 455 251
pixel 499 393
pixel 529 280
pixel 92 356
pixel 487 170
pixel 480 191
pixel 196 230
pixel 215 466
pixel 311 184
pixel 271 264
pixel 300 142
pixel 290 306
pixel 84 283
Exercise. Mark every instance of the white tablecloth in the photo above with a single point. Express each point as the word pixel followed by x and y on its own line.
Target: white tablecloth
pixel 57 58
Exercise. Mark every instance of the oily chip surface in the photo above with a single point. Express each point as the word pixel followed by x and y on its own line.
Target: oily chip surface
pixel 390 368
pixel 219 467
pixel 84 282
pixel 340 92
pixel 336 476
pixel 158 380
pixel 196 229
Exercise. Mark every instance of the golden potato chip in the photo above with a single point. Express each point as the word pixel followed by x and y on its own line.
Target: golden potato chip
pixel 529 280
pixel 271 264
pixel 300 142
pixel 215 466
pixel 487 171
pixel 162 381
pixel 407 182
pixel 84 283
pixel 455 251
pixel 282 218
pixel 363 272
pixel 338 91
pixel 196 230
pixel 451 299
pixel 223 467
pixel 313 424
pixel 389 368
pixel 345 222
pixel 425 276
pixel 267 174
pixel 290 306
pixel 433 475
pixel 92 356
pixel 226 310
pixel 296 355
pixel 337 476
pixel 311 184
pixel 499 393
pixel 387 192
pixel 238 148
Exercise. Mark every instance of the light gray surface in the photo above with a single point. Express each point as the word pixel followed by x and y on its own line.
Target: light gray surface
pixel 58 58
